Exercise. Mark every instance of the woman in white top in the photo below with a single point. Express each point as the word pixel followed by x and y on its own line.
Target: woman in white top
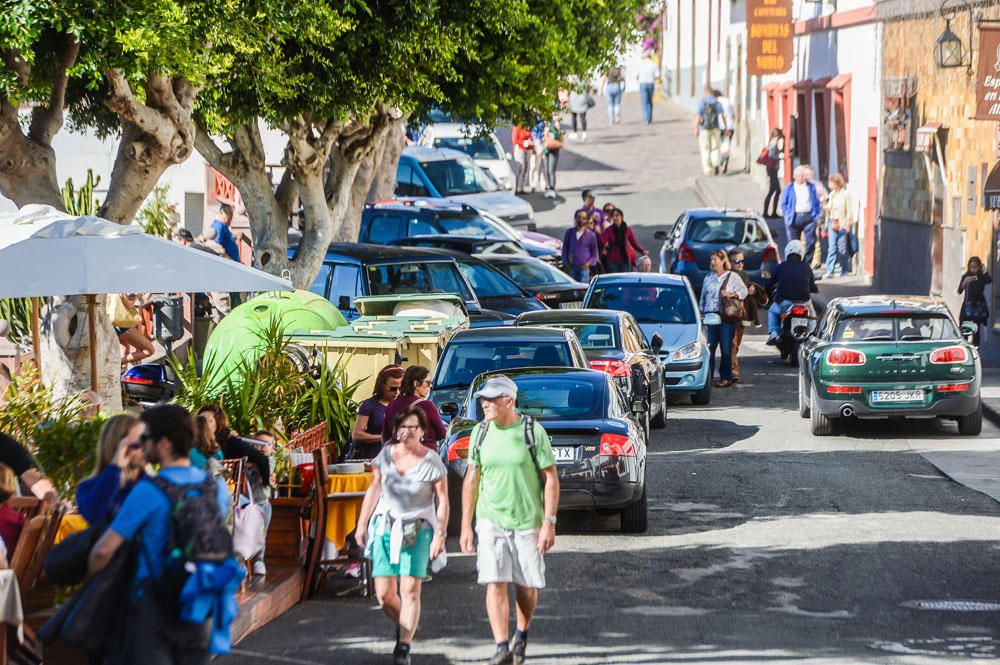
pixel 719 283
pixel 407 531
pixel 840 220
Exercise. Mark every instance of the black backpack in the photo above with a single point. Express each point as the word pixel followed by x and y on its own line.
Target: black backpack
pixel 197 533
pixel 710 116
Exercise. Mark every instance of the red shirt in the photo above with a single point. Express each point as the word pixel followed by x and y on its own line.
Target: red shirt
pixel 11 523
pixel 518 136
pixel 435 426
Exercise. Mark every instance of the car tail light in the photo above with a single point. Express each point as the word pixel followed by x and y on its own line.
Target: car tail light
pixel 954 387
pixel 770 254
pixel 684 253
pixel 616 445
pixel 799 311
pixel 137 380
pixel 949 355
pixel 612 367
pixel 459 450
pixel 844 390
pixel 845 357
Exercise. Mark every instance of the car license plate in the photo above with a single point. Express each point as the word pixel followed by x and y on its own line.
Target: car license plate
pixel 799 323
pixel 881 396
pixel 571 305
pixel 564 453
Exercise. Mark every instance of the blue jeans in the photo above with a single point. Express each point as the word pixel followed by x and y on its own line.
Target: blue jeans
pixel 838 253
pixel 778 308
pixel 613 91
pixel 646 92
pixel 804 224
pixel 580 274
pixel 721 336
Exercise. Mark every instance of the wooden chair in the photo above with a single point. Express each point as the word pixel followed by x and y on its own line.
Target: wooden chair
pixel 26 564
pixel 315 576
pixel 309 440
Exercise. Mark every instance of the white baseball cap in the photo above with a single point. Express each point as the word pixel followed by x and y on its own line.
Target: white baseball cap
pixel 497 386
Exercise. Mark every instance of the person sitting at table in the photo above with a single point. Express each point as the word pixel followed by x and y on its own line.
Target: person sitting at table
pixel 205 453
pixel 366 438
pixel 414 391
pixel 11 521
pixel 234 446
pixel 407 532
pixel 17 457
pixel 120 464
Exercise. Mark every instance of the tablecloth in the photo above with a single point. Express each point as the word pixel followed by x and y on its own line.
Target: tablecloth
pixel 342 516
pixel 11 612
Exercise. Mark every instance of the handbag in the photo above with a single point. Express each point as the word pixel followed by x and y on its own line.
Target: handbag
pixel 732 308
pixel 975 311
pixel 765 158
pixel 550 142
pixel 122 314
pixel 591 103
pixel 248 531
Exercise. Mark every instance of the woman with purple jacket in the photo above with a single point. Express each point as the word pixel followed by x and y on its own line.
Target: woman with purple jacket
pixel 579 249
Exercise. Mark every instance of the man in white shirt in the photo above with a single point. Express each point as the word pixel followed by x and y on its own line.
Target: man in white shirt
pixel 801 209
pixel 649 74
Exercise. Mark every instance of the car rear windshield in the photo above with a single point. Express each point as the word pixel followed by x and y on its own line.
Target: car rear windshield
pixel 477 148
pixel 455 177
pixel 464 361
pixel 471 225
pixel 727 230
pixel 593 335
pixel 557 397
pixel 534 273
pixel 420 277
pixel 901 328
pixel 647 303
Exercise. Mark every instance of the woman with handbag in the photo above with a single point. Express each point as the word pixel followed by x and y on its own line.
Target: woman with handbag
pixel 973 285
pixel 552 141
pixel 722 309
pixel 770 159
pixel 126 317
pixel 840 222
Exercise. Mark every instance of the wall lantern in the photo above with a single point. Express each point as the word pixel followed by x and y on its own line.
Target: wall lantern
pixel 948 51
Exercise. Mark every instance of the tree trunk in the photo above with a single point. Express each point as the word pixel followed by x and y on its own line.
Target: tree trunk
pixel 384 182
pixel 27 170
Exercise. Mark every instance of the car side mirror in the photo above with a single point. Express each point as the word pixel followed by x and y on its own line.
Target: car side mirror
pixel 656 342
pixel 660 235
pixel 344 302
pixel 969 328
pixel 639 406
pixel 449 409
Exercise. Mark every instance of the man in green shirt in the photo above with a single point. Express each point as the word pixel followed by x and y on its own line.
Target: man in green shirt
pixel 512 488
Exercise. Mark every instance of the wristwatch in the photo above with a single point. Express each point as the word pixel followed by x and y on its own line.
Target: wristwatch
pixel 551 519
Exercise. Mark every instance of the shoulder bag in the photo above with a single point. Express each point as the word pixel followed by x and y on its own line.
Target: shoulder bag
pixel 123 313
pixel 732 308
pixel 550 141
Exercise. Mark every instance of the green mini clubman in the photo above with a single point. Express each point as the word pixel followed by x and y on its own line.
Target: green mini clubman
pixel 888 356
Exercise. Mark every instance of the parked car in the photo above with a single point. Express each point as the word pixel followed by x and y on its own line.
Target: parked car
pixel 614 344
pixel 663 305
pixel 464 244
pixel 469 353
pixel 495 290
pixel 484 147
pixel 549 284
pixel 890 356
pixel 354 269
pixel 386 221
pixel 689 244
pixel 450 174
pixel 599 447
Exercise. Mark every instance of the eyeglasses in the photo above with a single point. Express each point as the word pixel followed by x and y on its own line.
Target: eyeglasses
pixel 399 427
pixel 737 261
pixel 426 382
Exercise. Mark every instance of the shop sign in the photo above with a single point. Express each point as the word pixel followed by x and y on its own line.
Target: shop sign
pixel 991 189
pixel 770 47
pixel 988 76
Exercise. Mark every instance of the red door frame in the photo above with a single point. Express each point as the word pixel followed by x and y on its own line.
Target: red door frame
pixel 788 110
pixel 841 88
pixel 871 202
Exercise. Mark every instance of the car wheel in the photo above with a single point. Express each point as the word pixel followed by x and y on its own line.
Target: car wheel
pixel 703 396
pixel 972 424
pixel 820 425
pixel 634 515
pixel 803 400
pixel 660 420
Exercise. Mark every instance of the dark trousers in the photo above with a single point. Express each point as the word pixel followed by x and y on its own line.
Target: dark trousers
pixel 804 225
pixel 773 194
pixel 551 162
pixel 152 639
pixel 619 267
pixel 721 337
pixel 583 121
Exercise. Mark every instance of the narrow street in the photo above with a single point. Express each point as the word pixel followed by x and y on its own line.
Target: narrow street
pixel 765 543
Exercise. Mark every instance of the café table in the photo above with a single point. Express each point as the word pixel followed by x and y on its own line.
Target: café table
pixel 342 516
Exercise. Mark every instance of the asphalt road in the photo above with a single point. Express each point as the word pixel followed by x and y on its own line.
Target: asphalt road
pixel 765 544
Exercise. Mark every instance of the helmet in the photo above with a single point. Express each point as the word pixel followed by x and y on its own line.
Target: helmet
pixel 795 247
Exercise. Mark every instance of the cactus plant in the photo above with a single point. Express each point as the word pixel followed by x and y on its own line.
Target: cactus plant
pixel 83 201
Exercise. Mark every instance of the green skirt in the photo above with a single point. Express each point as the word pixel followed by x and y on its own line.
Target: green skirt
pixel 413 560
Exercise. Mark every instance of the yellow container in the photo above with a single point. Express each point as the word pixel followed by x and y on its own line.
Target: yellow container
pixel 363 356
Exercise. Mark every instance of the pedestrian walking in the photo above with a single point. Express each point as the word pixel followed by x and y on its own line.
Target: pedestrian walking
pixel 579 248
pixel 580 102
pixel 153 630
pixel 822 234
pixel 840 224
pixel 121 463
pixel 595 214
pixel 613 86
pixel 649 74
pixel 366 437
pixel 737 262
pixel 721 283
pixel 728 129
pixel 407 531
pixel 973 285
pixel 552 142
pixel 621 249
pixel 607 209
pixel 512 488
pixel 524 150
pixel 770 159
pixel 414 391
pixel 537 179
pixel 708 128
pixel 801 208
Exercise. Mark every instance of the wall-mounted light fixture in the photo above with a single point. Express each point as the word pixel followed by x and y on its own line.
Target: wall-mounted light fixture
pixel 948 49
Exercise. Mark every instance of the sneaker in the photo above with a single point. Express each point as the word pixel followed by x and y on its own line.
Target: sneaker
pixel 583 136
pixel 401 654
pixel 503 656
pixel 517 649
pixel 259 568
pixel 572 136
pixel 772 339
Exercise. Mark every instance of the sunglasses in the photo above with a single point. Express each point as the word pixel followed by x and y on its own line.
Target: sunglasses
pixel 737 261
pixel 393 389
pixel 136 446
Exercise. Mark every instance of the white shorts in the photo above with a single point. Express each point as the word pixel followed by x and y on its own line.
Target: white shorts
pixel 506 556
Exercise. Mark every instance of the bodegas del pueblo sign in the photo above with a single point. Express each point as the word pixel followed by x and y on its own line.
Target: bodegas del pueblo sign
pixel 770 46
pixel 988 76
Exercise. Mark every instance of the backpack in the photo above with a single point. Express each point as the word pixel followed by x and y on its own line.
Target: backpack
pixel 529 440
pixel 197 532
pixel 710 116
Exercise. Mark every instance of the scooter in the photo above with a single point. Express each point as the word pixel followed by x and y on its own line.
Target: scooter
pixel 797 323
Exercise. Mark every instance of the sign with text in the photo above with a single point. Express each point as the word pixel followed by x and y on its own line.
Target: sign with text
pixel 988 76
pixel 770 46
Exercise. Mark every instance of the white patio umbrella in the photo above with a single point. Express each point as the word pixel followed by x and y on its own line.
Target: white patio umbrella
pixel 45 252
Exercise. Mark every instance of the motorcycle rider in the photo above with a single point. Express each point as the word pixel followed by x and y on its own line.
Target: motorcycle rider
pixel 794 282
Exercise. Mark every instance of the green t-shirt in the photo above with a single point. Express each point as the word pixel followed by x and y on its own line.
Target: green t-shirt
pixel 510 492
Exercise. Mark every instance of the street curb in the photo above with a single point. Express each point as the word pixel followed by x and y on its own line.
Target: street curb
pixel 705 194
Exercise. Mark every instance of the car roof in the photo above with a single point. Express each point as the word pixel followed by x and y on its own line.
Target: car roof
pixel 456 239
pixel 426 154
pixel 519 333
pixel 574 372
pixel 418 204
pixel 543 317
pixel 372 253
pixel 701 213
pixel 884 304
pixel 652 278
pixel 456 129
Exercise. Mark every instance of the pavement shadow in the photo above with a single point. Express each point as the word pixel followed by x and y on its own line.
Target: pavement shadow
pixel 702 433
pixel 570 160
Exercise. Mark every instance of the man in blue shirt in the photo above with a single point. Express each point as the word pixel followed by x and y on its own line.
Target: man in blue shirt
pixel 794 282
pixel 151 636
pixel 801 208
pixel 223 235
pixel 708 126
